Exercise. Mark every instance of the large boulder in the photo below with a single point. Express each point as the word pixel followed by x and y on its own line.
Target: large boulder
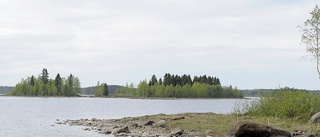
pixel 252 129
pixel 315 118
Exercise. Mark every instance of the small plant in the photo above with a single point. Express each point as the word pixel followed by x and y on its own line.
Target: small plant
pixel 285 104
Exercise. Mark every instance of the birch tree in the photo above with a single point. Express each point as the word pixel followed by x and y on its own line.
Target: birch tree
pixel 311 35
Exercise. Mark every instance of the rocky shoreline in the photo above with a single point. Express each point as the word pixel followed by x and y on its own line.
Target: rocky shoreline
pixel 142 126
pixel 191 125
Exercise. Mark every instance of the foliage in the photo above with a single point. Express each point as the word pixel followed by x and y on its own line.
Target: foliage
pixel 255 92
pixel 311 35
pixel 101 90
pixel 180 87
pixel 175 80
pixel 127 90
pixel 91 90
pixel 286 104
pixel 44 76
pixel 42 86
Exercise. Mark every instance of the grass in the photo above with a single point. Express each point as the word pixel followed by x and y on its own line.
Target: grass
pixel 218 125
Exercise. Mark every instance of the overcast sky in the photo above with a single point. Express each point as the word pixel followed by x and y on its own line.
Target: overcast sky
pixel 245 43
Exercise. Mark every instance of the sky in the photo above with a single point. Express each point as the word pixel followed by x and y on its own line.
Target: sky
pixel 249 44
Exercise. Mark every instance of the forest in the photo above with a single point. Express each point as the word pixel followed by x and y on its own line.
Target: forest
pixel 170 86
pixel 175 86
pixel 43 86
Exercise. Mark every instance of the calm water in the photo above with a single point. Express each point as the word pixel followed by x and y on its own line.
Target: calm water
pixel 28 116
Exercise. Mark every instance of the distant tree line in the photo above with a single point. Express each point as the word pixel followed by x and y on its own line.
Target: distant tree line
pixel 261 92
pixel 5 89
pixel 180 87
pixel 175 80
pixel 92 89
pixel 44 86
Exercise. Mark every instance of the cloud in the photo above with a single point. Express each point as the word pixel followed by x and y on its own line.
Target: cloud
pixel 122 41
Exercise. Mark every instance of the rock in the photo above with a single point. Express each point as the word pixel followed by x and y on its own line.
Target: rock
pixel 178 118
pixel 87 123
pixel 176 132
pixel 86 129
pixel 60 123
pixel 208 132
pixel 94 119
pixel 149 123
pixel 105 131
pixel 315 118
pixel 251 129
pixel 145 134
pixel 121 130
pixel 161 123
pixel 133 125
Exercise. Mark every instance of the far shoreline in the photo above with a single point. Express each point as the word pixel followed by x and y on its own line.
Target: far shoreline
pixel 143 98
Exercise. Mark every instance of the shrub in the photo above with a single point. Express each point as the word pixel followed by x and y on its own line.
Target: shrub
pixel 285 103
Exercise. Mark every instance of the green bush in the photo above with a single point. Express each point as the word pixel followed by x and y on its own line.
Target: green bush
pixel 289 104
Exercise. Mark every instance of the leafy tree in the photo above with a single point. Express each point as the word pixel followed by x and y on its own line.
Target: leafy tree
pixel 143 89
pixel 98 90
pixel 160 90
pixel 311 35
pixel 170 91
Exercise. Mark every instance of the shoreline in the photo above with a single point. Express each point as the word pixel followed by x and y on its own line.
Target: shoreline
pixel 183 125
pixel 144 98
pixel 148 125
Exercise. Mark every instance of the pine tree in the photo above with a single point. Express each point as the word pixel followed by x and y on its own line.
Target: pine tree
pixel 32 81
pixel 105 89
pixel 153 80
pixel 58 83
pixel 45 76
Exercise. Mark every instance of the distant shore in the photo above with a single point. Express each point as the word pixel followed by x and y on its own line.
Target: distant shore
pixel 91 96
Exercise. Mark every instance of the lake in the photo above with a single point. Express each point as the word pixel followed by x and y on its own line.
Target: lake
pixel 36 116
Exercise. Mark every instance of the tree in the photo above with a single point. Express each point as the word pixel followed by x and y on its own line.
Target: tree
pixel 311 35
pixel 98 90
pixel 160 81
pixel 58 83
pixel 32 81
pixel 143 89
pixel 105 89
pixel 167 80
pixel 153 80
pixel 45 76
